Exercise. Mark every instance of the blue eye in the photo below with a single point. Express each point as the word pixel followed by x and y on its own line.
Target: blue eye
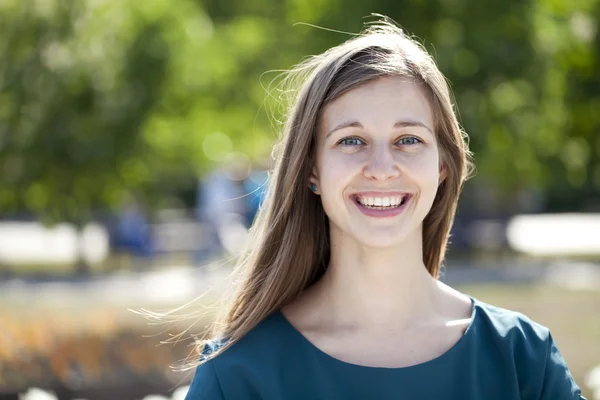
pixel 350 141
pixel 410 140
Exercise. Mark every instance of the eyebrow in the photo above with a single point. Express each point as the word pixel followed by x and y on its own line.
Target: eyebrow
pixel 398 124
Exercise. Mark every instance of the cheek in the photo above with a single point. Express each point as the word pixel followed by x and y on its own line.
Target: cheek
pixel 428 171
pixel 335 172
pixel 336 168
pixel 423 168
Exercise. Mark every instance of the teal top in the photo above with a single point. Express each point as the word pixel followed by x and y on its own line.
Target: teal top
pixel 502 355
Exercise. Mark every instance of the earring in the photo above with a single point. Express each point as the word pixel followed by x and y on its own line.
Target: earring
pixel 313 187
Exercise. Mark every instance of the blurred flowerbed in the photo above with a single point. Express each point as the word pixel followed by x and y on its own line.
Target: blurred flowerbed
pixel 65 349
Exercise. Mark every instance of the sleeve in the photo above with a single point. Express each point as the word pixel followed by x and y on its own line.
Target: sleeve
pixel 558 382
pixel 205 384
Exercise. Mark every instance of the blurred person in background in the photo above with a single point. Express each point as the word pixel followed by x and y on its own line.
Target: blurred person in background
pixel 222 207
pixel 133 235
pixel 340 297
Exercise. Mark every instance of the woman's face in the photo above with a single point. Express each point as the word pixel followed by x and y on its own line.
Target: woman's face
pixel 378 164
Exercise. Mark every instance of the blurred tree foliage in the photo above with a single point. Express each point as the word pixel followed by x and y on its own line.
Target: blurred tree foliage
pixel 99 97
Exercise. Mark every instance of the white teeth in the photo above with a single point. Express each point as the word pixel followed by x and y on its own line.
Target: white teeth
pixel 381 201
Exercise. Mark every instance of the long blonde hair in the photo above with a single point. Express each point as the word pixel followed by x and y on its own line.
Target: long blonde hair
pixel 289 249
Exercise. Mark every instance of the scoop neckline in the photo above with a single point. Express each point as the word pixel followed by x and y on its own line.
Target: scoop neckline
pixel 463 339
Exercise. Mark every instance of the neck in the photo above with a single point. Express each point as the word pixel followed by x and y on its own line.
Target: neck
pixel 375 286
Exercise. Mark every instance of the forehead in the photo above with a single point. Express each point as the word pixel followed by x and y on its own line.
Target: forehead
pixel 379 103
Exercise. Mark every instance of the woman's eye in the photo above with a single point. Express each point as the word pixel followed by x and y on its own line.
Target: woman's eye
pixel 409 140
pixel 350 141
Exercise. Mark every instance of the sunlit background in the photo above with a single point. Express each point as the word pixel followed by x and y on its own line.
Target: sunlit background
pixel 134 147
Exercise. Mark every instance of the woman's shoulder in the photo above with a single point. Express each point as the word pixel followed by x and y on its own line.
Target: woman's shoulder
pixel 509 323
pixel 530 345
pixel 235 369
pixel 512 335
pixel 261 345
pixel 257 356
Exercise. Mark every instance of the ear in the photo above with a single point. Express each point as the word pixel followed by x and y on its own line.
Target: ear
pixel 443 174
pixel 314 180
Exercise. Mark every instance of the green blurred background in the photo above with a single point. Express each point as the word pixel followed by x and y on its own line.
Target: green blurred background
pixel 112 108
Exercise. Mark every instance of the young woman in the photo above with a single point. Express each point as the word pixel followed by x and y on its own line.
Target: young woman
pixel 340 297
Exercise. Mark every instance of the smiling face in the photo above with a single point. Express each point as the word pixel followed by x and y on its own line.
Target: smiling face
pixel 376 148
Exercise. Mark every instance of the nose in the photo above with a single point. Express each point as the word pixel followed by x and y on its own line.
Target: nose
pixel 381 165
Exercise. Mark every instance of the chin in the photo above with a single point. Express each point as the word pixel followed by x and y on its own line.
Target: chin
pixel 381 239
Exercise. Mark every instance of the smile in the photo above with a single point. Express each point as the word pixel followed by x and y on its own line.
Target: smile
pixel 381 205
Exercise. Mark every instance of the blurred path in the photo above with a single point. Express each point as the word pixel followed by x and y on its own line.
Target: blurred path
pixel 173 286
pixel 168 286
